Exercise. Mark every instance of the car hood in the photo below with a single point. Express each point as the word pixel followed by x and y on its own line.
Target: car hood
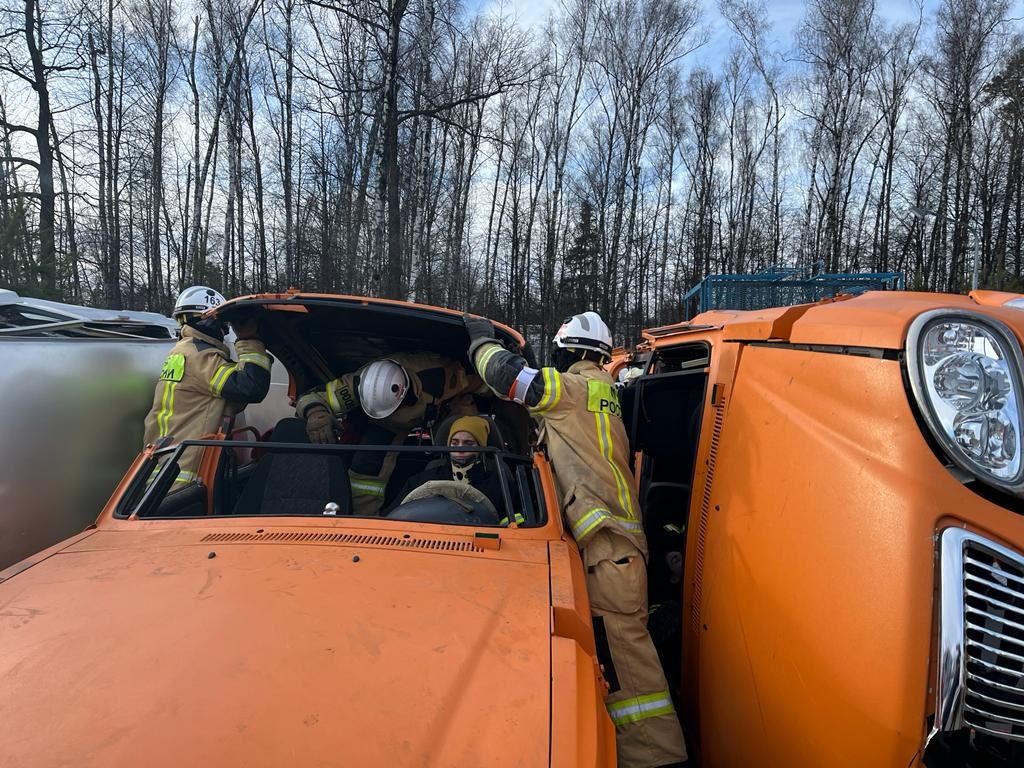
pixel 874 319
pixel 234 653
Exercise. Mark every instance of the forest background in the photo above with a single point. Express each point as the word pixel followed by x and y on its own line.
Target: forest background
pixel 438 151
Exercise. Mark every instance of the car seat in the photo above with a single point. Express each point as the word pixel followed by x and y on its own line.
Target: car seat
pixel 299 483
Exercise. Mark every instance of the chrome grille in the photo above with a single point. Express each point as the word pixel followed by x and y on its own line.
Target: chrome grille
pixel 981 637
pixel 994 640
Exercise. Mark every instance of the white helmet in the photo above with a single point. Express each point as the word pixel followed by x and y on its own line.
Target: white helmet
pixel 195 300
pixel 585 331
pixel 382 388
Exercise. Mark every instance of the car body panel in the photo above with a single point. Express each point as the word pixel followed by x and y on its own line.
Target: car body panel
pixel 273 652
pixel 810 569
pixel 72 416
pixel 71 420
pixel 874 319
pixel 817 581
pixel 263 640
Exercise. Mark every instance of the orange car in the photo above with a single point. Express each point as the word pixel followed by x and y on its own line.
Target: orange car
pixel 248 620
pixel 845 482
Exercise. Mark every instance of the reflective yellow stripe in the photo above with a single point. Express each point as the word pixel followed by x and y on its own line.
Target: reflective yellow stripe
pixel 604 439
pixel 186 476
pixel 332 401
pixel 588 522
pixel 517 517
pixel 366 486
pixel 163 417
pixel 220 378
pixel 490 351
pixel 263 361
pixel 161 432
pixel 552 390
pixel 638 708
pixel 595 517
pixel 548 390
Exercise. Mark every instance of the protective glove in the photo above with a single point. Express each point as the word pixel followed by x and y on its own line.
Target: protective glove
pixel 246 329
pixel 528 356
pixel 480 330
pixel 321 425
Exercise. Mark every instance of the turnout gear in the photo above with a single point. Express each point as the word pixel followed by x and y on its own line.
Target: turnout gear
pixel 382 388
pixel 195 301
pixel 647 732
pixel 248 328
pixel 581 424
pixel 480 329
pixel 197 383
pixel 321 426
pixel 434 383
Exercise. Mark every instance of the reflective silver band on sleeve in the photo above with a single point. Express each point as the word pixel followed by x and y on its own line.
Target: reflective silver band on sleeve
pixel 522 384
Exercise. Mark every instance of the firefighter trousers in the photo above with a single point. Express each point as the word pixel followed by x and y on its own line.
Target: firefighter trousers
pixel 647 731
pixel 370 471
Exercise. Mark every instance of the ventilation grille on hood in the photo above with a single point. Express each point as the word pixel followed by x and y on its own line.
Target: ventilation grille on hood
pixel 361 539
pixel 705 511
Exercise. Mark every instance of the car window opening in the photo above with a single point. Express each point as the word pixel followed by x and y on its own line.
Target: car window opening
pixel 287 476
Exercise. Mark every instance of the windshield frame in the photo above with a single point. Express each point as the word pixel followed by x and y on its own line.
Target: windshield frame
pixel 145 485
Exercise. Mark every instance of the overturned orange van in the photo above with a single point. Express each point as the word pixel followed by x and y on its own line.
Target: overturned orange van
pixel 249 619
pixel 844 482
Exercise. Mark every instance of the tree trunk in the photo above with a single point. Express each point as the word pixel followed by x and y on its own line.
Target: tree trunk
pixel 46 267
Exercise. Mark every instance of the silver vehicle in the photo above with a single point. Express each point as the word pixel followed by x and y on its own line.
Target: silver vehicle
pixel 75 386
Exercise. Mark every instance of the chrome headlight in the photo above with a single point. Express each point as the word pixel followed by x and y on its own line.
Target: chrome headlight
pixel 965 372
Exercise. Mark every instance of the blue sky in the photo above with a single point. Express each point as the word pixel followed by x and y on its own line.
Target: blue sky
pixel 786 16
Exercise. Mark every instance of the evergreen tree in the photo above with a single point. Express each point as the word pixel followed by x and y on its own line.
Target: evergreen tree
pixel 580 265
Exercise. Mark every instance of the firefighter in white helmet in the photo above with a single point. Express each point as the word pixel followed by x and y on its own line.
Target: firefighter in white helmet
pixel 199 381
pixel 576 403
pixel 398 393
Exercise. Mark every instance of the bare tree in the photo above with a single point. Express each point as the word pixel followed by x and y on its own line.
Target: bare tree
pixel 50 51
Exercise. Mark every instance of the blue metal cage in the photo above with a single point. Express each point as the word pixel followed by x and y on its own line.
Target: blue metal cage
pixel 782 286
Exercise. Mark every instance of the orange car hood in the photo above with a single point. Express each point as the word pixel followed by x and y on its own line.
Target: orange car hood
pixel 875 319
pixel 275 654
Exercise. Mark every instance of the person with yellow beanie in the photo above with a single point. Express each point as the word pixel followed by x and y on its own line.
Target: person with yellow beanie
pixel 465 466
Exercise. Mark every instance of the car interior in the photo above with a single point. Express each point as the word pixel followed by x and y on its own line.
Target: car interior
pixel 287 476
pixel 319 339
pixel 283 474
pixel 662 412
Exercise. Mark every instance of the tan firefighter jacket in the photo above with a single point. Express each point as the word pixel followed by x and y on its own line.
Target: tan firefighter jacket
pixel 434 380
pixel 581 424
pixel 197 381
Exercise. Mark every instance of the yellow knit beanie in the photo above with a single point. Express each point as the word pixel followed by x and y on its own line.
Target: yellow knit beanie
pixel 477 426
